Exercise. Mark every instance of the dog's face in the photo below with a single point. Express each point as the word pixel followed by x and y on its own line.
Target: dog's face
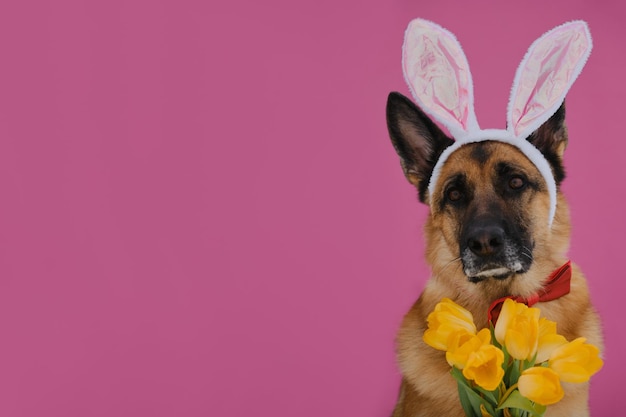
pixel 490 205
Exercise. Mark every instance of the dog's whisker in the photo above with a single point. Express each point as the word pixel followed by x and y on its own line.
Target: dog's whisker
pixel 452 262
pixel 527 252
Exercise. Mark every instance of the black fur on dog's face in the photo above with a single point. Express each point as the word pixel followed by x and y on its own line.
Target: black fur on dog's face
pixel 490 202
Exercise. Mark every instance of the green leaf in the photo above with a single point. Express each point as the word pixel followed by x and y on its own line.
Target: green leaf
pixel 463 385
pixel 458 375
pixel 491 396
pixel 465 401
pixel 517 400
pixel 476 400
pixel 494 341
pixel 470 399
pixel 512 373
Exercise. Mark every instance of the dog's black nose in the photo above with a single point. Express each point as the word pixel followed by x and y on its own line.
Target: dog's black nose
pixel 486 240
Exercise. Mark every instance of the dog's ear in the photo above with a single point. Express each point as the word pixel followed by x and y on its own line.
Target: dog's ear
pixel 417 140
pixel 551 139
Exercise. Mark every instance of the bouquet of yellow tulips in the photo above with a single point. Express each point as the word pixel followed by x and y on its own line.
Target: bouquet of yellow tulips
pixel 514 368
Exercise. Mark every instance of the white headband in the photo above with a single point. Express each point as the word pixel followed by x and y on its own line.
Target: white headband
pixel 438 75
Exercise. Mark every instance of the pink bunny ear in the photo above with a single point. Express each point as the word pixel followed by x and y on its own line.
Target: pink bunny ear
pixel 545 75
pixel 436 70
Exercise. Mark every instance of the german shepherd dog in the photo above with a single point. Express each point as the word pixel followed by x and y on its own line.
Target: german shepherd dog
pixel 499 225
pixel 486 238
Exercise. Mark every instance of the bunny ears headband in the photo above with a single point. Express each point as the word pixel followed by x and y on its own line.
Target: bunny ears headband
pixel 439 78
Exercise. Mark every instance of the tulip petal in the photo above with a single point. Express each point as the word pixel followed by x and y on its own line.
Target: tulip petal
pixel 463 344
pixel 521 331
pixel 448 305
pixel 576 361
pixel 540 385
pixel 506 314
pixel 517 344
pixel 444 322
pixel 548 344
pixel 433 339
pixel 546 327
pixel 485 367
pixel 571 372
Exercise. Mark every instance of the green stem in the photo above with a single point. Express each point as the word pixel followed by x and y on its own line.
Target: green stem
pixel 506 394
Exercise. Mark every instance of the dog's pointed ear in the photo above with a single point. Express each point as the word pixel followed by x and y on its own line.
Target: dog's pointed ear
pixel 417 140
pixel 551 139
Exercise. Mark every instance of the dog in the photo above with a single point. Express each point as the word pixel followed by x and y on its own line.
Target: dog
pixel 486 238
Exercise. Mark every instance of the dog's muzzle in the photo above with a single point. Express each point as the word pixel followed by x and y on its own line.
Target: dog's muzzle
pixel 488 251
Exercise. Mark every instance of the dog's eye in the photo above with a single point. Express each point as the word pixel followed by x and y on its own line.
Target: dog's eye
pixel 517 183
pixel 454 194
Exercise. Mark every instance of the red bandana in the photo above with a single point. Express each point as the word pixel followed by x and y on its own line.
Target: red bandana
pixel 557 286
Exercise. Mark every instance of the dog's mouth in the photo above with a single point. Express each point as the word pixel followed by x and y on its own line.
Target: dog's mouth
pixel 499 273
pixel 502 267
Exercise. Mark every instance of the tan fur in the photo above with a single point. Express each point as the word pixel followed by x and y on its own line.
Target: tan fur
pixel 427 388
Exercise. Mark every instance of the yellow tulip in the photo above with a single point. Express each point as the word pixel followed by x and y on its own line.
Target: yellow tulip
pixel 548 340
pixel 484 367
pixel 576 361
pixel 462 344
pixel 447 322
pixel 546 327
pixel 517 328
pixel 540 385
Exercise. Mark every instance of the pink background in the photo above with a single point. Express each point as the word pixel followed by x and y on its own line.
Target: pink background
pixel 202 215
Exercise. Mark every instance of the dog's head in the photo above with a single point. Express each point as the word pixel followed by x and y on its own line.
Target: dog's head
pixel 490 204
pixel 493 194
